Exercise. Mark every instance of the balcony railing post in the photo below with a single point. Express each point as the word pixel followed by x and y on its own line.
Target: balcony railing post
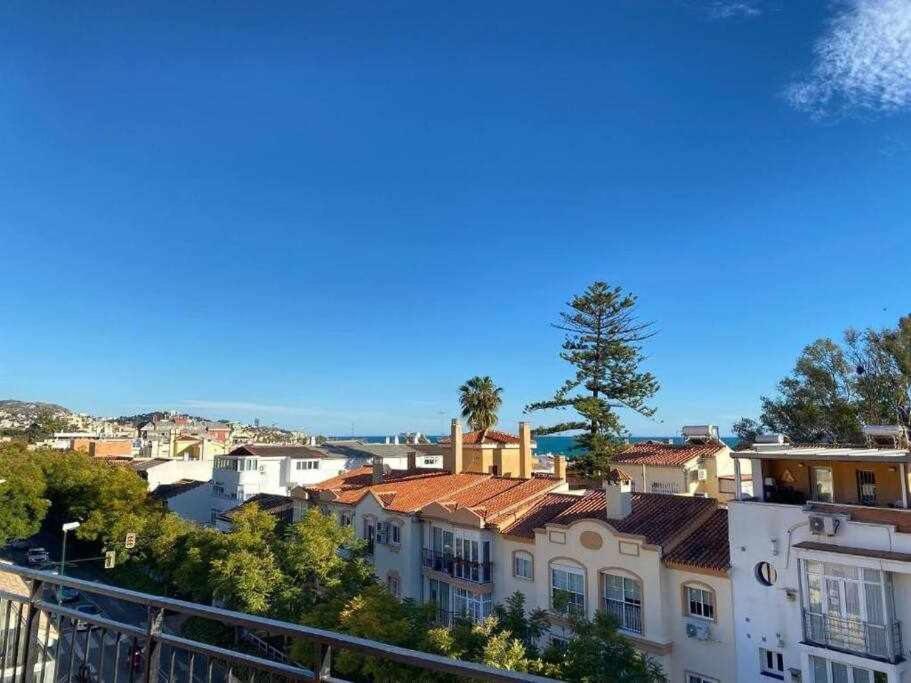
pixel 31 646
pixel 152 658
pixel 323 669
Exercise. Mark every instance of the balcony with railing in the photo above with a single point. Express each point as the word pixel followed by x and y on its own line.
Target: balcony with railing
pixel 131 636
pixel 882 642
pixel 458 567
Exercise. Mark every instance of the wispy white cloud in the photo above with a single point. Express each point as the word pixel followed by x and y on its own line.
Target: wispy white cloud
pixel 862 62
pixel 733 9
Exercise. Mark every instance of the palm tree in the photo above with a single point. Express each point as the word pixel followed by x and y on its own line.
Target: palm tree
pixel 480 399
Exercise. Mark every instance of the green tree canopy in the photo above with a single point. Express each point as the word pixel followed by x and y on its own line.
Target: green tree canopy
pixel 835 388
pixel 23 504
pixel 603 344
pixel 480 400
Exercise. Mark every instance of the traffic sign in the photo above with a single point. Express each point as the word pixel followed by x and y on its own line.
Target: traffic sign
pixel 131 541
pixel 110 557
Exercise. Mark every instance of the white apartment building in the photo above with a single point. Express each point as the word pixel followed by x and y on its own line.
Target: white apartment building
pixel 466 539
pixel 821 562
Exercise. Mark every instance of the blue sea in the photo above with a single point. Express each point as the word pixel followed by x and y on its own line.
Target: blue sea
pixel 564 445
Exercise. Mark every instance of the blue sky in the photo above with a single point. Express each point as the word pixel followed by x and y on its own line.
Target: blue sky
pixel 328 215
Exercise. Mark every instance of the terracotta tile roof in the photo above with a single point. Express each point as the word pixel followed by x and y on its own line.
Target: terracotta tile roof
pixel 665 455
pixel 657 517
pixel 411 490
pixel 706 546
pixel 492 436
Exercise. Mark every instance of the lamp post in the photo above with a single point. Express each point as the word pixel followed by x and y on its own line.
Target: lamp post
pixel 69 526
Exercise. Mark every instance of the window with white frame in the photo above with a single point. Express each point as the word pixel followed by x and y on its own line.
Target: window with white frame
pixel 699 678
pixel 567 589
pixel 523 565
pixel 700 602
pixel 621 597
pixel 771 663
pixel 472 606
pixel 826 671
pixel 395 533
pixel 307 464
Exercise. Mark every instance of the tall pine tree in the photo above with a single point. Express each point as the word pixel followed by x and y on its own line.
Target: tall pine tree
pixel 603 343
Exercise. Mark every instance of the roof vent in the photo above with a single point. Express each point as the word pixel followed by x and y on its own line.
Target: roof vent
pixel 886 436
pixel 700 433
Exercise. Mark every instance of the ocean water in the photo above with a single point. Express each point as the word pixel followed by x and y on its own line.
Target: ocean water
pixel 565 445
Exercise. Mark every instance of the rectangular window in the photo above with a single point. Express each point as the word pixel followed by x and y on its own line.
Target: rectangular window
pixel 826 671
pixel 392 584
pixel 771 663
pixel 344 518
pixel 621 597
pixel 567 589
pixel 522 565
pixel 470 605
pixel 822 484
pixel 395 533
pixel 699 678
pixel 700 603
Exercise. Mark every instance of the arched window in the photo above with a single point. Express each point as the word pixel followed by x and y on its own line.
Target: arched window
pixel 621 597
pixel 699 601
pixel 567 588
pixel 523 566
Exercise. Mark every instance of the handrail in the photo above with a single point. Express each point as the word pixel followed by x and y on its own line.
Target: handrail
pixel 327 639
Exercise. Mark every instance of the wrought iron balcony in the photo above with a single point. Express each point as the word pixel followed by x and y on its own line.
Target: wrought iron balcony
pixel 458 567
pixel 131 636
pixel 855 636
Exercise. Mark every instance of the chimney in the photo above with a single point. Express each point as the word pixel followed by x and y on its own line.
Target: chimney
pixel 560 467
pixel 412 460
pixel 396 440
pixel 455 457
pixel 525 459
pixel 377 469
pixel 387 439
pixel 618 499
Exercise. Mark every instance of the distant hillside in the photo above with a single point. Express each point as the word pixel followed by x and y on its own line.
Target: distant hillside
pixel 20 414
pixel 141 418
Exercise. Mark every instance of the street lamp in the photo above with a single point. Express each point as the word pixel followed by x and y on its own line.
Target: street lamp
pixel 69 526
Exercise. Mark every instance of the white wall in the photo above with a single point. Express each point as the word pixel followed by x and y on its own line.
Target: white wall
pixel 764 616
pixel 194 505
pixel 175 470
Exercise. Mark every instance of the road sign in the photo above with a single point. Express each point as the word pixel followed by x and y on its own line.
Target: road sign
pixel 131 541
pixel 110 557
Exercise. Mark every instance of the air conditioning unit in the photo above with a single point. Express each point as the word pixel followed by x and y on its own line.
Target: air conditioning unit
pixel 698 631
pixel 823 525
pixel 703 475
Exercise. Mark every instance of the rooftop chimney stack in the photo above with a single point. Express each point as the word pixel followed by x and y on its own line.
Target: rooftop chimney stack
pixel 560 467
pixel 455 457
pixel 412 460
pixel 377 469
pixel 525 458
pixel 618 499
pixel 395 440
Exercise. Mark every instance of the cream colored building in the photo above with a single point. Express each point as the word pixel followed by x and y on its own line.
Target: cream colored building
pixel 466 539
pixel 701 466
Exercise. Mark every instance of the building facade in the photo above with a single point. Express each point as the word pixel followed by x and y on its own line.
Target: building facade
pixel 821 562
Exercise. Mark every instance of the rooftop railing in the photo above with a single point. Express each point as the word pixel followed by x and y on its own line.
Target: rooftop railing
pixel 114 634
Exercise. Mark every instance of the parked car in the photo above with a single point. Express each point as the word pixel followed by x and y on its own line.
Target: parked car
pixel 36 556
pixel 67 594
pixel 88 609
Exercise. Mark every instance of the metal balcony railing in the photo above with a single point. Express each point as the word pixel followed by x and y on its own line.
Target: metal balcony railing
pixel 129 636
pixel 458 567
pixel 852 635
